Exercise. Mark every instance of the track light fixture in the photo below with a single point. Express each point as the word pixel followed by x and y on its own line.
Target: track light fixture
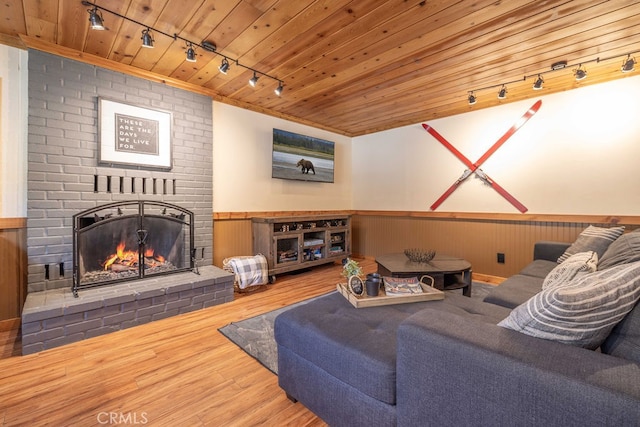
pixel 279 89
pixel 253 80
pixel 147 38
pixel 95 18
pixel 97 23
pixel 224 66
pixel 537 85
pixel 191 53
pixel 580 73
pixel 207 45
pixel 628 64
pixel 503 92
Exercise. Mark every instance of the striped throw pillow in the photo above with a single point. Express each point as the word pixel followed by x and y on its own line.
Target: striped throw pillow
pixel 575 265
pixel 582 312
pixel 592 238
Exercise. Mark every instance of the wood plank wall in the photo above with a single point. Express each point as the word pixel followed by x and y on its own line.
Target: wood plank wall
pixel 13 267
pixel 231 237
pixel 475 237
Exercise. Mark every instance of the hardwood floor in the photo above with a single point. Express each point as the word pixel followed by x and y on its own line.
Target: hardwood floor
pixel 177 371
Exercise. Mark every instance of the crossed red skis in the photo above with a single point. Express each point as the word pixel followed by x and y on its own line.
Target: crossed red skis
pixel 475 167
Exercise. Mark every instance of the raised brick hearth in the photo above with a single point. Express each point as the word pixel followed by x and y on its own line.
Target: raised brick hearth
pixel 54 318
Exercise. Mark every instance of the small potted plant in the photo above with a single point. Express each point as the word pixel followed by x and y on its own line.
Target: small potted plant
pixel 351 268
pixel 352 271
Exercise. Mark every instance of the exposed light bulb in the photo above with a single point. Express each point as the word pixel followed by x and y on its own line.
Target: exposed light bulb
pixel 253 80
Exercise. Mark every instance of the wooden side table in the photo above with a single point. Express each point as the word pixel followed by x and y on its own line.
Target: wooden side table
pixel 448 272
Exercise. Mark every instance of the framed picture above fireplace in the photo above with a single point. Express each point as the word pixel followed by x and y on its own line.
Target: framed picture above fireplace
pixel 133 136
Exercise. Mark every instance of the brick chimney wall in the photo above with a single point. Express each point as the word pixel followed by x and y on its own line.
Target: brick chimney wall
pixel 64 177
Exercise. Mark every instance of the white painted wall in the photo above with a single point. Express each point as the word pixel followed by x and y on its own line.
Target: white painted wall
pixel 578 155
pixel 242 145
pixel 13 132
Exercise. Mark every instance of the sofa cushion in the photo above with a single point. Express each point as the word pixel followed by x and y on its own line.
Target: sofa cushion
pixel 549 250
pixel 624 339
pixel 539 268
pixel 582 312
pixel 356 346
pixel 515 290
pixel 470 309
pixel 592 238
pixel 624 250
pixel 576 265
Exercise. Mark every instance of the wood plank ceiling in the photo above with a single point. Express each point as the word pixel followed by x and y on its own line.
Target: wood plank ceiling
pixel 352 67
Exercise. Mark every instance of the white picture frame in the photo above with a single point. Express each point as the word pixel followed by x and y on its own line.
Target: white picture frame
pixel 129 135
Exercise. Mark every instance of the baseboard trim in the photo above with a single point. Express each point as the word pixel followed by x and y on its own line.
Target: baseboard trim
pixel 488 279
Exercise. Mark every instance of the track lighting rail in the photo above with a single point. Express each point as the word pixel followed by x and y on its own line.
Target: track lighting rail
pixel 580 74
pixel 97 23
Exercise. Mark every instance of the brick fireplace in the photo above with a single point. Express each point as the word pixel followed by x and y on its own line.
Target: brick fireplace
pixel 65 178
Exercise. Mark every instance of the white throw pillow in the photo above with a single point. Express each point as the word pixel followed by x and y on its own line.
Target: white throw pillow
pixel 584 311
pixel 575 265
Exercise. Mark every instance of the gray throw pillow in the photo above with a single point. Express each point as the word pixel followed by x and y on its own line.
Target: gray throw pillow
pixel 575 265
pixel 592 238
pixel 583 312
pixel 624 250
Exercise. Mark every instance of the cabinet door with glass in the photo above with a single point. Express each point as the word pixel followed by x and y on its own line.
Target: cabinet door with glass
pixel 286 250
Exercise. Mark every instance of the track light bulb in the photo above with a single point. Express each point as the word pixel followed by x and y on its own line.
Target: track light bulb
pixel 580 73
pixel 278 90
pixel 253 80
pixel 628 65
pixel 95 18
pixel 538 83
pixel 191 54
pixel 472 98
pixel 503 93
pixel 147 39
pixel 224 67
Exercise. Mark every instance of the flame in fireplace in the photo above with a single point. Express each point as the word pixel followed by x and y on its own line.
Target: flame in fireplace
pixel 149 253
pixel 124 259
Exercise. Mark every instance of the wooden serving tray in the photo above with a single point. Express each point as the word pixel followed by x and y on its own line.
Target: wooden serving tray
pixel 429 294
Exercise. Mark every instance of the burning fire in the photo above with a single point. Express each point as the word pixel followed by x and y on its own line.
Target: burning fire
pixel 128 260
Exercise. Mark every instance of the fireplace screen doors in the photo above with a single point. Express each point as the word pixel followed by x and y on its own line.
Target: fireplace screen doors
pixel 130 240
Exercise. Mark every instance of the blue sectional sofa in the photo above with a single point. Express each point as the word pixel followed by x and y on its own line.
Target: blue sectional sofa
pixel 447 362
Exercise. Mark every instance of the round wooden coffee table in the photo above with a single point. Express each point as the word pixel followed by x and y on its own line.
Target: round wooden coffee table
pixel 448 272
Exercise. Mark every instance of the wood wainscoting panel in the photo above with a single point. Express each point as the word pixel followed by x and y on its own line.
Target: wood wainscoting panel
pixel 475 237
pixel 231 238
pixel 477 240
pixel 13 265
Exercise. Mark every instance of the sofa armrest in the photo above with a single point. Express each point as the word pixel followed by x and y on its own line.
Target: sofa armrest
pixel 548 250
pixel 452 370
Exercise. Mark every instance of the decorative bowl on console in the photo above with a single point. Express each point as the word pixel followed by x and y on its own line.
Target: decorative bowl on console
pixel 419 255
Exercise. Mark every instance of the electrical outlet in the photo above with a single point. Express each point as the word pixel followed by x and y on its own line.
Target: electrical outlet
pixel 500 258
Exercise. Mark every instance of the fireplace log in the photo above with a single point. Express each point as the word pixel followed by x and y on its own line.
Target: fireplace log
pixel 120 267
